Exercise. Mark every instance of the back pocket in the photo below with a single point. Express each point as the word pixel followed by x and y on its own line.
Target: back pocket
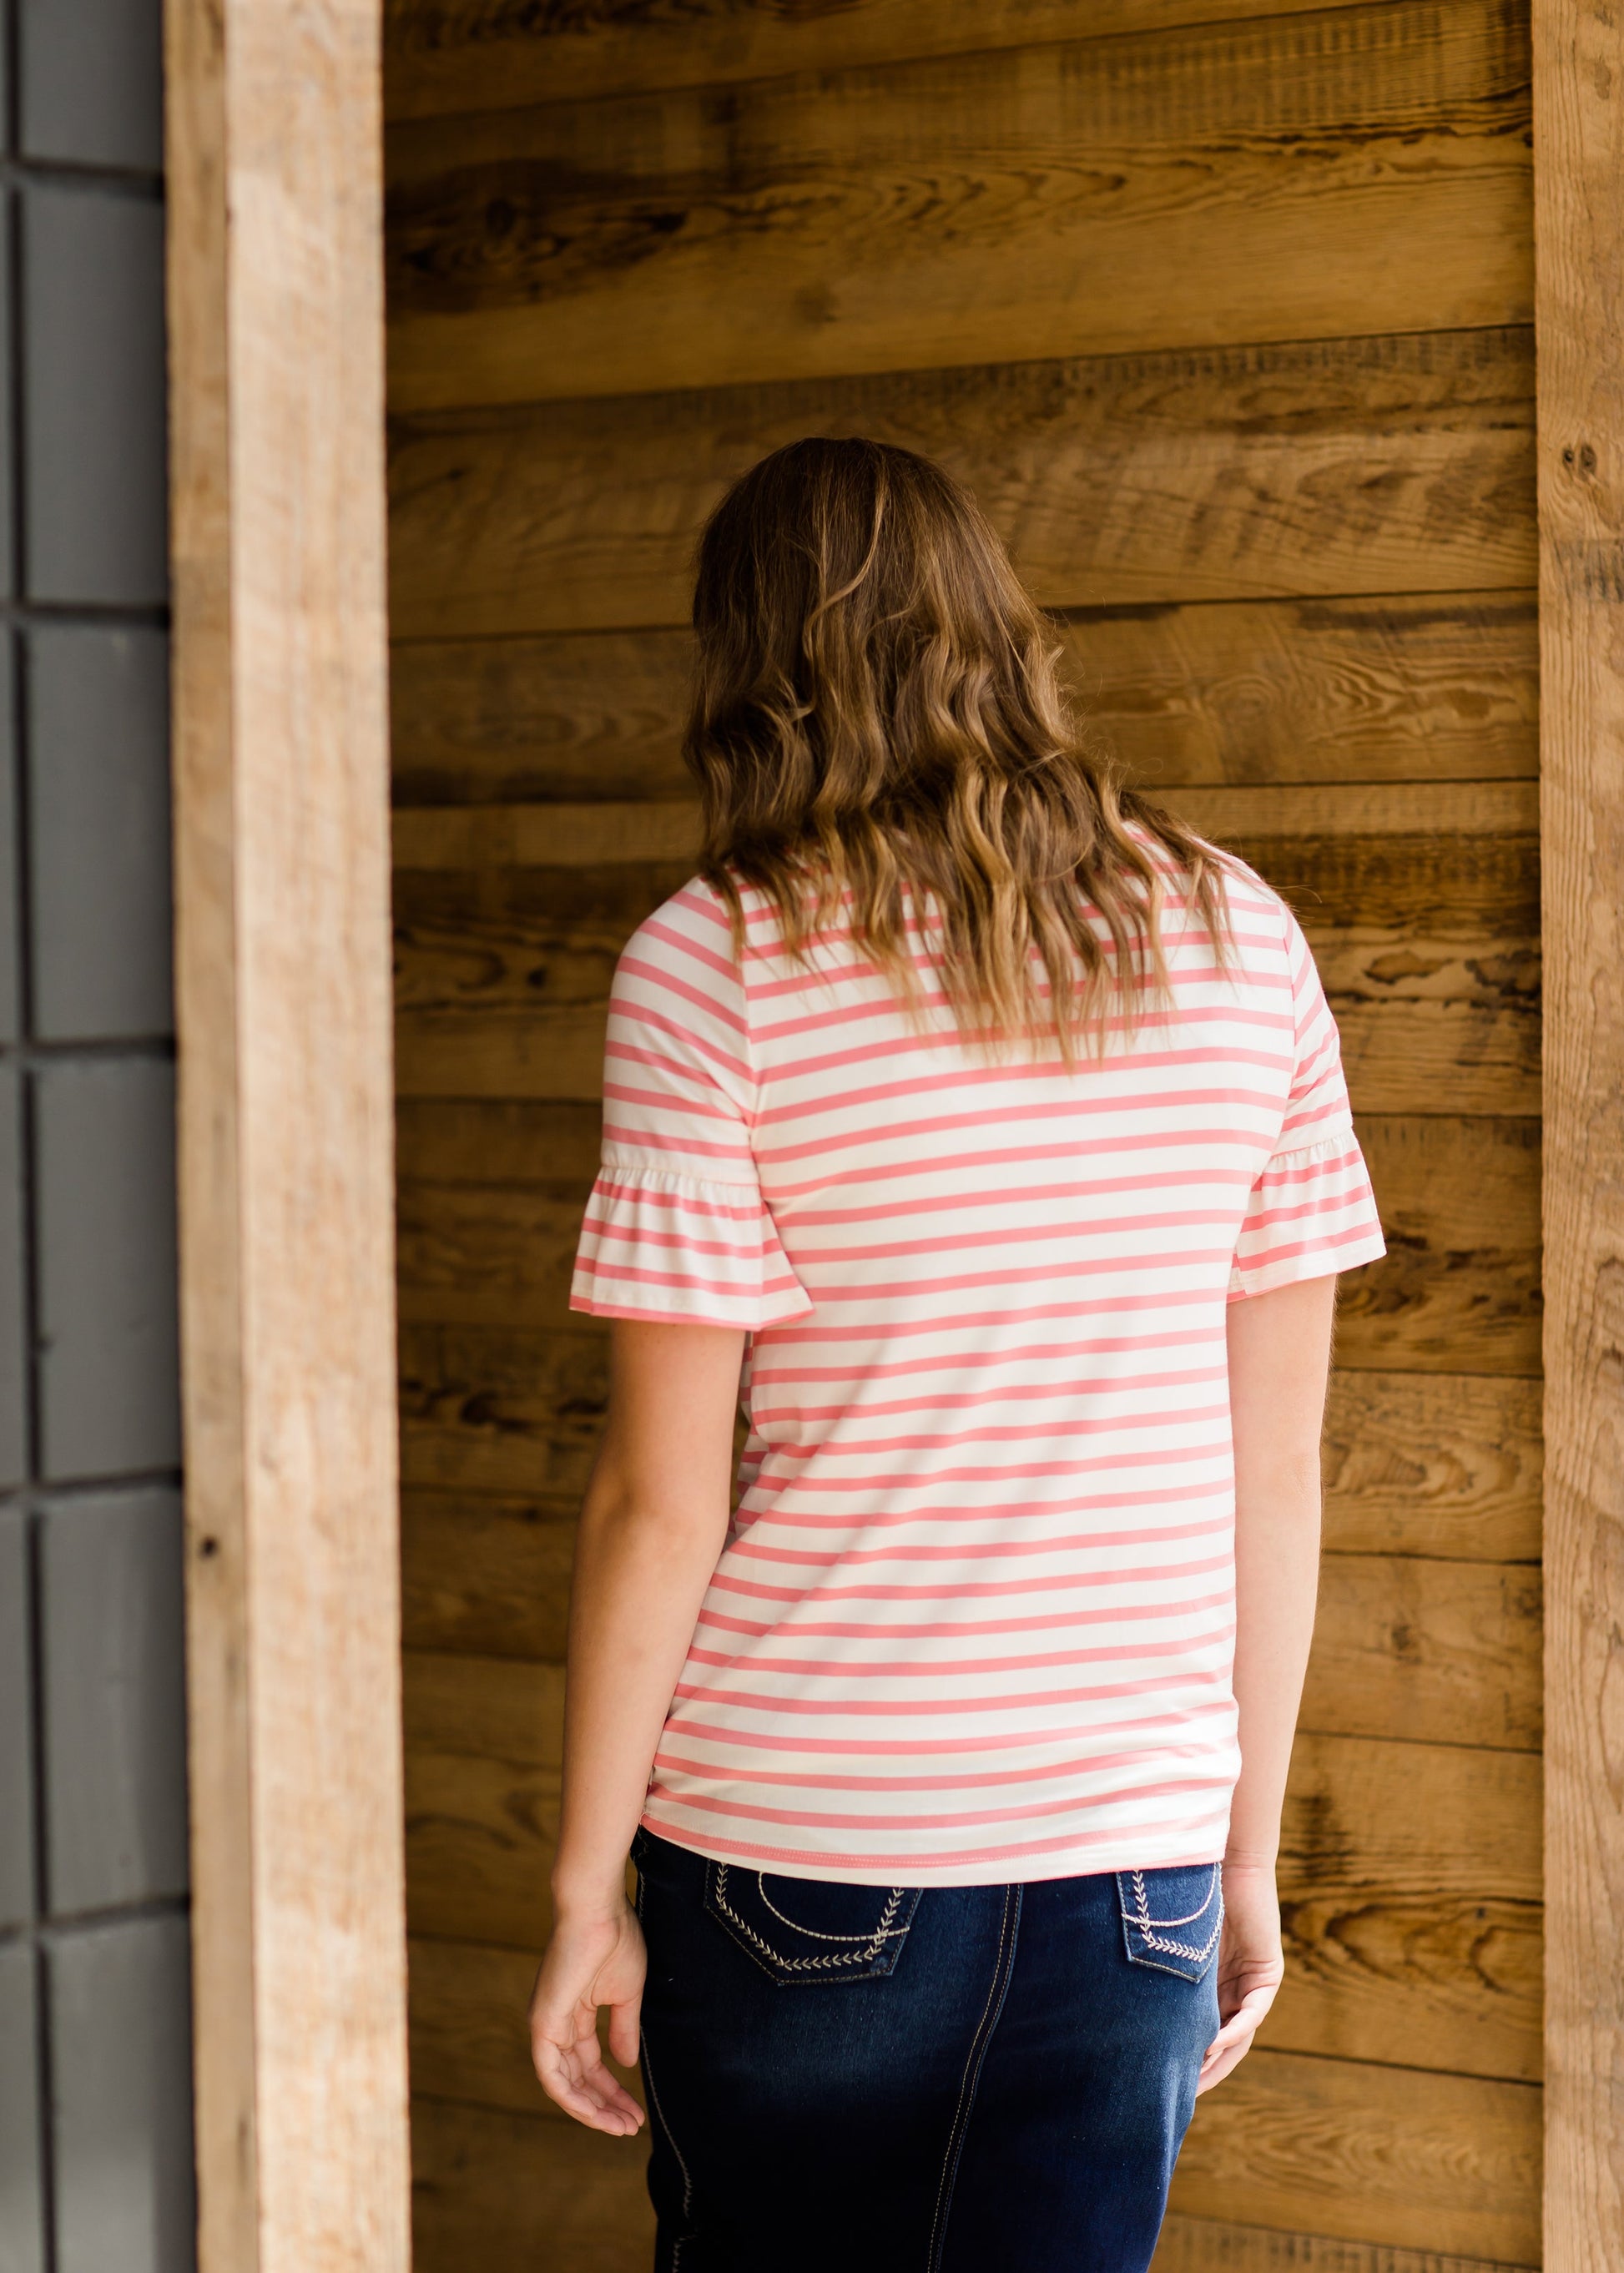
pixel 810 1929
pixel 1172 1918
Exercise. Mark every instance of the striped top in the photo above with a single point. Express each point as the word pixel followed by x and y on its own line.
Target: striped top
pixel 974 1618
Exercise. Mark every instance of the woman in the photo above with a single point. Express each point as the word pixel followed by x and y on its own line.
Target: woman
pixel 987 1129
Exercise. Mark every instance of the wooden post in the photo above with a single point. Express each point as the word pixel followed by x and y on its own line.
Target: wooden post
pixel 286 1235
pixel 1578 224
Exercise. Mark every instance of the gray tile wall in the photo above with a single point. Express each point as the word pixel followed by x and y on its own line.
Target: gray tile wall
pixel 95 2147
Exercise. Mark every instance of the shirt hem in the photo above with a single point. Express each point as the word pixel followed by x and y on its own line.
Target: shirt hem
pixel 1131 1853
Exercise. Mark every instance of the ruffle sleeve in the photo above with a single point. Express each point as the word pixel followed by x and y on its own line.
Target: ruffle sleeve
pixel 663 1246
pixel 1311 1211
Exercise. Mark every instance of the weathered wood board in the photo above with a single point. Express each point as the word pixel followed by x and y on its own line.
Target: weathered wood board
pixel 1223 314
pixel 446 56
pixel 1252 180
pixel 1432 687
pixel 1383 464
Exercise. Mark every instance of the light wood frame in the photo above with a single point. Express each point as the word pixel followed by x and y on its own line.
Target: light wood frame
pixel 1579 320
pixel 283 1003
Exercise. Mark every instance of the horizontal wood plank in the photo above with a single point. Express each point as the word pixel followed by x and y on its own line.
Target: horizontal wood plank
pixel 442 56
pixel 1443 1652
pixel 1436 2163
pixel 1412 1930
pixel 486 1575
pixel 503 1410
pixel 1437 1651
pixel 482 1708
pixel 1401 1055
pixel 498 1140
pixel 1410 1903
pixel 1458 1291
pixel 470 2041
pixel 1444 1465
pixel 1260 179
pixel 1367 466
pixel 1422 902
pixel 510 2192
pixel 1391 689
pixel 1202 2245
pixel 567 834
pixel 1403 1944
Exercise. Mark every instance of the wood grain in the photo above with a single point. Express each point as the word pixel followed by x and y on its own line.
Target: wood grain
pixel 1412 1931
pixel 1392 689
pixel 497 1141
pixel 286 1251
pixel 1418 2161
pixel 1458 1290
pixel 1579 227
pixel 488 55
pixel 469 2040
pixel 502 1410
pixel 1368 465
pixel 1422 902
pixel 1436 1465
pixel 593 835
pixel 1312 176
pixel 486 1576
pixel 1201 2245
pixel 1433 1464
pixel 510 2192
pixel 1412 1935
pixel 1441 1653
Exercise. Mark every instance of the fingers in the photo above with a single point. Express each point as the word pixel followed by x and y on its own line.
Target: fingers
pixel 1229 2047
pixel 570 2067
pixel 585 2088
pixel 623 2025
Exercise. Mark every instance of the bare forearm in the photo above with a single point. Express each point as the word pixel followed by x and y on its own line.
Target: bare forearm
pixel 1276 1575
pixel 1280 1346
pixel 641 1574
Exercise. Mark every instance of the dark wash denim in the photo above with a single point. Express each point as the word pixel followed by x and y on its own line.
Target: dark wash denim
pixel 945 2079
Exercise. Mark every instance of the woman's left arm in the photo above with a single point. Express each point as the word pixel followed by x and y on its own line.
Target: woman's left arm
pixel 1280 1352
pixel 652 1528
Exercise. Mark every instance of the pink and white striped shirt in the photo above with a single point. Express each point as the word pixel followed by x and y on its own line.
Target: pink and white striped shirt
pixel 974 1618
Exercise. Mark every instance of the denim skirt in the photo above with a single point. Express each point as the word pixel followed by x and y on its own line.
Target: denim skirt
pixel 937 2080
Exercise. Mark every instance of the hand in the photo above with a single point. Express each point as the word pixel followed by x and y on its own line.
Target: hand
pixel 1251 1967
pixel 594 1961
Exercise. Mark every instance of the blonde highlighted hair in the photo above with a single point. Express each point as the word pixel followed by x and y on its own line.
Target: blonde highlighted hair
pixel 876 708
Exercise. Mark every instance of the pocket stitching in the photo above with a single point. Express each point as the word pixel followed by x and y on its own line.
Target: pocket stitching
pixel 881 1932
pixel 885 1931
pixel 1143 1923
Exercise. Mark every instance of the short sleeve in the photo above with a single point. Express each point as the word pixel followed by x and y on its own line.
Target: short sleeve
pixel 1312 1211
pixel 677 1228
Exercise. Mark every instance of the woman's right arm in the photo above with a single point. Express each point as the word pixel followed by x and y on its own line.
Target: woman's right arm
pixel 652 1529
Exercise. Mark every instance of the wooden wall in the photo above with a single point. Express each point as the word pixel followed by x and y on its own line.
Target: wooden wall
pixel 1226 318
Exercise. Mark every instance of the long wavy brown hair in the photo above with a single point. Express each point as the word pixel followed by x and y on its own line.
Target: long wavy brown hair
pixel 881 739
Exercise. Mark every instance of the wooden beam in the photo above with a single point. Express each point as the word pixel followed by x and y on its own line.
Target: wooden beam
pixel 1400 463
pixel 1458 1291
pixel 508 2191
pixel 1202 2245
pixel 1395 688
pixel 1311 176
pixel 443 56
pixel 1579 218
pixel 286 1235
pixel 1417 2159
